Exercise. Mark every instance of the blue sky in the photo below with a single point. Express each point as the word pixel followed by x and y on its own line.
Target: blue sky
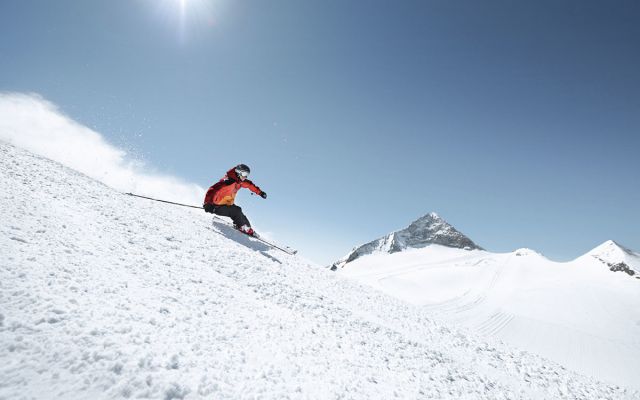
pixel 518 122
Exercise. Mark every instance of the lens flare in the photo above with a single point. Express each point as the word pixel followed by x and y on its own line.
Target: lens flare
pixel 189 17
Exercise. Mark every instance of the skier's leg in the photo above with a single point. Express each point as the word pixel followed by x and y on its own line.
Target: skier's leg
pixel 235 213
pixel 239 218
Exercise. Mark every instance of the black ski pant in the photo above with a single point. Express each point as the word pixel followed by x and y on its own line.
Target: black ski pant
pixel 234 212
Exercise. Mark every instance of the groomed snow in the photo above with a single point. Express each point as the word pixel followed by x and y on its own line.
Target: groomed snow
pixel 579 313
pixel 104 296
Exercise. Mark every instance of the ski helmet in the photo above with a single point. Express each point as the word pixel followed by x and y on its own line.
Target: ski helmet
pixel 242 171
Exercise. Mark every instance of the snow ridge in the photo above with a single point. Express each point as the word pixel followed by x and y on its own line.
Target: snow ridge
pixel 429 229
pixel 617 258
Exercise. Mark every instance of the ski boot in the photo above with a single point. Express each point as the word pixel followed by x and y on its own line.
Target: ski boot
pixel 247 230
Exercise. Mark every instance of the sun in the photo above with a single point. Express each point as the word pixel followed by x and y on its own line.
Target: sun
pixel 190 17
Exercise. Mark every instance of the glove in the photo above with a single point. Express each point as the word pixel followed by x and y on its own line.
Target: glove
pixel 263 195
pixel 210 208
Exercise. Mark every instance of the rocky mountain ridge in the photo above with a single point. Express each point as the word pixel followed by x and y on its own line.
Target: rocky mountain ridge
pixel 433 229
pixel 427 230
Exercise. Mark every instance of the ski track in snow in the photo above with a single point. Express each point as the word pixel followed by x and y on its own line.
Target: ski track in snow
pixel 104 296
pixel 578 314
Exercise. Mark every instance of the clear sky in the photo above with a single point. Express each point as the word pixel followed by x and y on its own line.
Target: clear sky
pixel 518 122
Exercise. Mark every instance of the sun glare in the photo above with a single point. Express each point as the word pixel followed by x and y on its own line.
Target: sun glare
pixel 189 16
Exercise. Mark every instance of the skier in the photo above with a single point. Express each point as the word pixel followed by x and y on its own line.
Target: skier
pixel 220 197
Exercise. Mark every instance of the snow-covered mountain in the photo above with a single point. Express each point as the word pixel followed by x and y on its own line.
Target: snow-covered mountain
pixel 107 296
pixel 577 313
pixel 617 258
pixel 429 229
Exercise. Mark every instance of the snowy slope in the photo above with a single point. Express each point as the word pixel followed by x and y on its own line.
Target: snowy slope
pixel 427 230
pixel 579 313
pixel 617 258
pixel 107 296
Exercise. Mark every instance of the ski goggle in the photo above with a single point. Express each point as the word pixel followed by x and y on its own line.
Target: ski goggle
pixel 242 174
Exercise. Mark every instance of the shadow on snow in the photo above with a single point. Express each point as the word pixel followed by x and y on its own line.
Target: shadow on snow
pixel 240 238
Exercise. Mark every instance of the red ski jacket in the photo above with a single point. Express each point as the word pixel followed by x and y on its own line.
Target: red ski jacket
pixel 224 192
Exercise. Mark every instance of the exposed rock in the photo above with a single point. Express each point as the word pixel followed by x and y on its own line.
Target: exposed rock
pixel 430 229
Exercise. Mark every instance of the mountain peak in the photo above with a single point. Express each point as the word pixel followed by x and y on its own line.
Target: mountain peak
pixel 432 216
pixel 617 257
pixel 525 252
pixel 426 230
pixel 611 248
pixel 432 229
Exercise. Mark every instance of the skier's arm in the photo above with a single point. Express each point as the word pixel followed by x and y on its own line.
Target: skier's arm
pixel 249 185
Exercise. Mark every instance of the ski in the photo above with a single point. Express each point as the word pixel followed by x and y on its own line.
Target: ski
pixel 285 249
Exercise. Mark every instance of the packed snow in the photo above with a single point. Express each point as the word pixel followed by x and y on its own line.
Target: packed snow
pixel 106 296
pixel 579 314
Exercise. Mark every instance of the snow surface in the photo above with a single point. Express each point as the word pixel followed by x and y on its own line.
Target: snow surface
pixel 579 314
pixel 611 254
pixel 106 296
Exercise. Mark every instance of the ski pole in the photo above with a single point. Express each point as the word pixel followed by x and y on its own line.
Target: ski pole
pixel 286 250
pixel 163 201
